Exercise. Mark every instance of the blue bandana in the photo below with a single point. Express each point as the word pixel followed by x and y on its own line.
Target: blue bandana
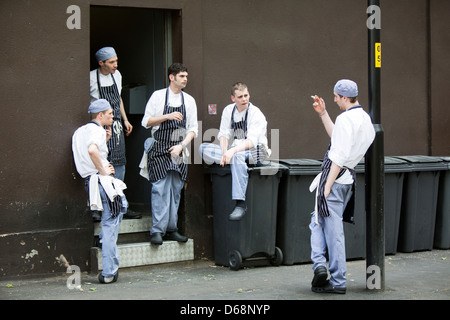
pixel 105 53
pixel 346 88
pixel 99 106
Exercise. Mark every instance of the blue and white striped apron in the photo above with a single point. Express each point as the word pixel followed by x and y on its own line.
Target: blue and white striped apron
pixel 116 145
pixel 258 153
pixel 322 206
pixel 169 134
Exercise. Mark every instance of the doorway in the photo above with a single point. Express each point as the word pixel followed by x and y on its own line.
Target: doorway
pixel 146 41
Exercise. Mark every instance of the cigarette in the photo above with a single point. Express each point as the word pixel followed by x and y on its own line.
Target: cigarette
pixel 313 97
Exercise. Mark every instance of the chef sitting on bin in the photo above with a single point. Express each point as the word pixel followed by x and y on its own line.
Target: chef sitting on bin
pixel 243 140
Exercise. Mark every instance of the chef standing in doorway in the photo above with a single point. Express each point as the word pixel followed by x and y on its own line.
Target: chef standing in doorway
pixel 106 83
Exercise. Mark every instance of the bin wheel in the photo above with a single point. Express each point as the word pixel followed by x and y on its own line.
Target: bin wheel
pixel 277 259
pixel 235 260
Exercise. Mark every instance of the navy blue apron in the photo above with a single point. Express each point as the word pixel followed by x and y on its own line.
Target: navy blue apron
pixel 116 145
pixel 169 134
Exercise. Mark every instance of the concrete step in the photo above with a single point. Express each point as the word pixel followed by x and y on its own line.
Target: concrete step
pixel 141 253
pixel 129 226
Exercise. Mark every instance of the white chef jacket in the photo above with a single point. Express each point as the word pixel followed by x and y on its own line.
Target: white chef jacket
pixel 105 81
pixel 83 137
pixel 353 134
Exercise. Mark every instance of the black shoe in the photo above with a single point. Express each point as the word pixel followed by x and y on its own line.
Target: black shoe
pixel 328 288
pixel 237 213
pixel 156 238
pixel 320 277
pixel 107 280
pixel 130 214
pixel 175 236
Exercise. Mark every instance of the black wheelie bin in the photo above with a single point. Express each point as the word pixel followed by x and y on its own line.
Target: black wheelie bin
pixel 419 202
pixel 252 237
pixel 394 175
pixel 295 205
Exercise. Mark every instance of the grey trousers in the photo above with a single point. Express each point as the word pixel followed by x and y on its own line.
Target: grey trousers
pixel 165 200
pixel 329 234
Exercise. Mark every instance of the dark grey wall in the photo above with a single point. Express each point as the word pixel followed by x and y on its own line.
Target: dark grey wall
pixel 42 206
pixel 288 50
pixel 440 77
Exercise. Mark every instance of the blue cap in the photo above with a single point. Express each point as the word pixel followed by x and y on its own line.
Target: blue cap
pixel 346 88
pixel 99 106
pixel 105 53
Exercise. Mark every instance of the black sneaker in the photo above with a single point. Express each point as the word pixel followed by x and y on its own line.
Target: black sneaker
pixel 175 236
pixel 156 238
pixel 320 277
pixel 130 214
pixel 106 280
pixel 328 288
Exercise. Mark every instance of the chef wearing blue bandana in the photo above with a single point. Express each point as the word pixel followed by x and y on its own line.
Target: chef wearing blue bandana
pixel 106 83
pixel 351 136
pixel 90 154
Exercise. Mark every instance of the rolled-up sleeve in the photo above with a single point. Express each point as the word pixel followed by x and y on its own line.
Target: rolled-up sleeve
pixel 191 117
pixel 149 111
pixel 154 108
pixel 225 124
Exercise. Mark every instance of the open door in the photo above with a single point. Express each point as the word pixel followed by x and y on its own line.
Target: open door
pixel 146 41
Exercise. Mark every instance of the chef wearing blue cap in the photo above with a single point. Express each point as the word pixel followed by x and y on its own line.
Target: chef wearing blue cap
pixel 351 136
pixel 106 83
pixel 105 192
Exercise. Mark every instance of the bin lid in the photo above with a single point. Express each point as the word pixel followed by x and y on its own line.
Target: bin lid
pixel 393 164
pixel 424 163
pixel 446 159
pixel 267 169
pixel 302 166
pixel 270 168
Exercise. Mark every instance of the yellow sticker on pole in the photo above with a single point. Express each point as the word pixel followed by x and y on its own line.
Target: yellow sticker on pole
pixel 377 55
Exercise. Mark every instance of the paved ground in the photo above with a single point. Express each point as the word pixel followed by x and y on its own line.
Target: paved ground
pixel 420 276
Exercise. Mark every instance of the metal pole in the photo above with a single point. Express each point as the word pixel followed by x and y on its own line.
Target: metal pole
pixel 374 164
